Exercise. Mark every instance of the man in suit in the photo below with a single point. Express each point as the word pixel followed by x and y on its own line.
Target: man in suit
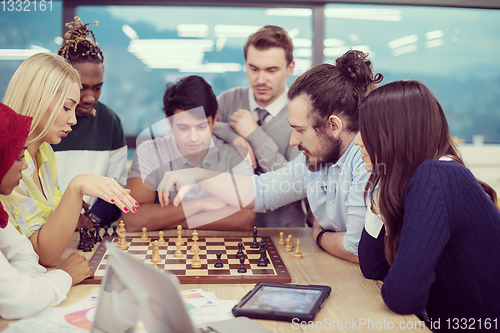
pixel 256 117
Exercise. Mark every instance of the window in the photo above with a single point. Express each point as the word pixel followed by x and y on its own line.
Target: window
pixel 24 33
pixel 454 51
pixel 146 47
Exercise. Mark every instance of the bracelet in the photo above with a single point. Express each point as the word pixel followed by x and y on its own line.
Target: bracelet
pixel 318 238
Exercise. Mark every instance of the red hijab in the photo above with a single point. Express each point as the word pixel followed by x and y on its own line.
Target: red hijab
pixel 14 130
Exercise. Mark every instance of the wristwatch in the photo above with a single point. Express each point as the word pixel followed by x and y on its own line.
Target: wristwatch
pixel 95 220
pixel 318 238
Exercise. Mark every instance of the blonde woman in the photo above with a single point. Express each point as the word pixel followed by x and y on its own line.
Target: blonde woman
pixel 47 88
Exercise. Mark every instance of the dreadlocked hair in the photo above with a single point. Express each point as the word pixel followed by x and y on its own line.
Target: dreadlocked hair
pixel 77 47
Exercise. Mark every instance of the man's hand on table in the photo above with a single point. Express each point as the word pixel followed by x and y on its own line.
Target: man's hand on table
pixel 77 267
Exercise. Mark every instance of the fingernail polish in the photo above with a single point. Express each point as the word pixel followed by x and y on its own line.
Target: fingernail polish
pixel 137 204
pixel 112 201
pixel 125 209
pixel 134 210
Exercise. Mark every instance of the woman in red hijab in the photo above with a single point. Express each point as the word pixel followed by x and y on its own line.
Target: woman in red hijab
pixel 25 286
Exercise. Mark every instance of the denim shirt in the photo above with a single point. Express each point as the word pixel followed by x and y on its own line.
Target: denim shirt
pixel 335 193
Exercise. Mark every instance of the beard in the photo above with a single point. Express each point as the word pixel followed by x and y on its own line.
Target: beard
pixel 328 154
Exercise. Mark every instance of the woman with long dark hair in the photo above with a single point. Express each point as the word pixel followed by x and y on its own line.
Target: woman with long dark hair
pixel 432 229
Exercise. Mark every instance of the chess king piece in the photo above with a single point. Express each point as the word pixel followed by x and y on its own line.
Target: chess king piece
pixel 122 243
pixel 298 255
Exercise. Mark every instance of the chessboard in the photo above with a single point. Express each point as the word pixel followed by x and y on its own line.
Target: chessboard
pixel 275 271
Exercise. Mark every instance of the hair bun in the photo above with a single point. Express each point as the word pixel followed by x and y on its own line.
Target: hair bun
pixel 356 65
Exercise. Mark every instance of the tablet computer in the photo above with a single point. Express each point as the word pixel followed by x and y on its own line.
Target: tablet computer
pixel 285 302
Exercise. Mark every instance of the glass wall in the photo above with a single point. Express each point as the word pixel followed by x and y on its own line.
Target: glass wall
pixel 454 51
pixel 24 33
pixel 147 47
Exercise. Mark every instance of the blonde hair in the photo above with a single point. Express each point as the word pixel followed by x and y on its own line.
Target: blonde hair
pixel 41 80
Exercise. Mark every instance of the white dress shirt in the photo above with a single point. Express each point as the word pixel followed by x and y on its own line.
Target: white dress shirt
pixel 274 108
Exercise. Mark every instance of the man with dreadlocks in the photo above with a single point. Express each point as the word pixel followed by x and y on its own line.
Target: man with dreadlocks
pixel 96 144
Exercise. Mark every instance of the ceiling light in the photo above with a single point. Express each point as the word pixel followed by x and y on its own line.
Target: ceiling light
pixel 129 32
pixel 404 49
pixel 434 34
pixel 403 41
pixel 192 30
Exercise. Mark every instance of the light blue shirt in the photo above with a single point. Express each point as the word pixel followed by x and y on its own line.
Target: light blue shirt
pixel 335 194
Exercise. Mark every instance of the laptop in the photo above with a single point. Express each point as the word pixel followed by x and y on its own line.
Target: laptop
pixel 132 292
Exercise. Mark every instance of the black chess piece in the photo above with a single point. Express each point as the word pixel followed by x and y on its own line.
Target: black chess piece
pixel 106 233
pixel 240 253
pixel 82 240
pixel 254 245
pixel 87 247
pixel 98 238
pixel 218 262
pixel 242 268
pixel 263 244
pixel 92 237
pixel 262 260
pixel 265 254
pixel 90 240
pixel 114 231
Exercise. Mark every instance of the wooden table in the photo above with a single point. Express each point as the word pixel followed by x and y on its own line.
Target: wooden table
pixel 355 304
